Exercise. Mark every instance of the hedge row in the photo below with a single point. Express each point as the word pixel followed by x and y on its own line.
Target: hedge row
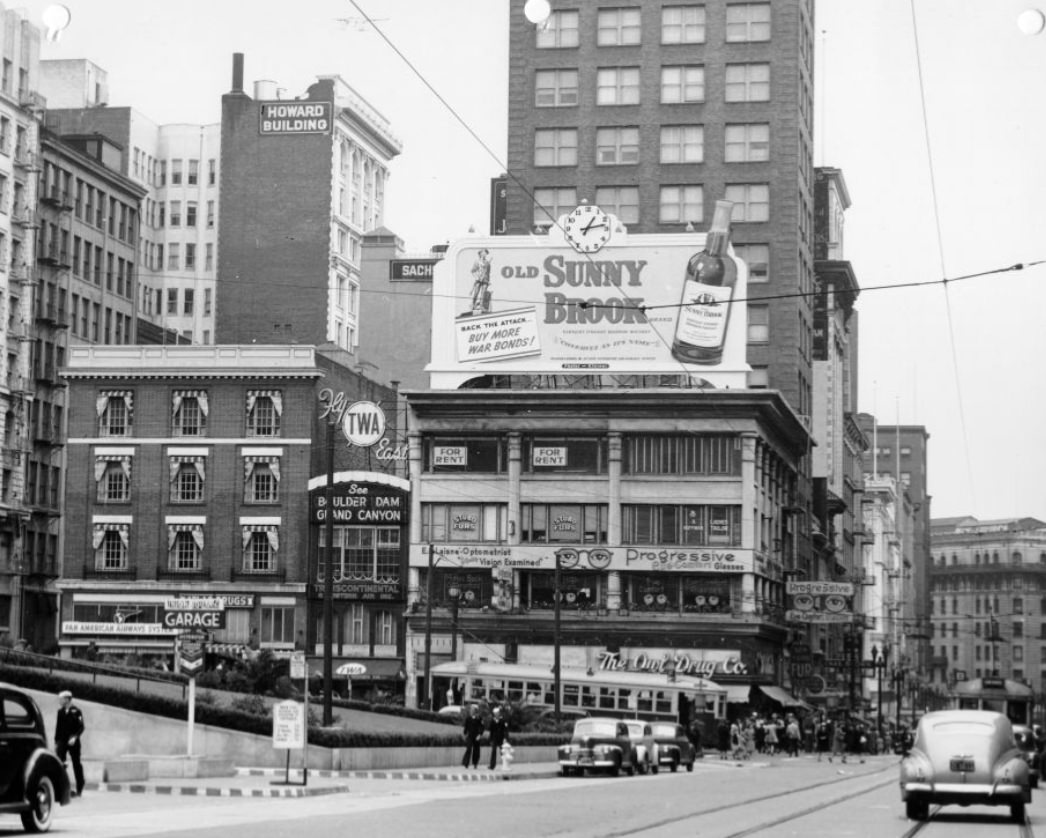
pixel 231 718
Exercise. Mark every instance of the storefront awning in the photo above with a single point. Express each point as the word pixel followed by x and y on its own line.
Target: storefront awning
pixel 737 693
pixel 362 669
pixel 239 651
pixel 782 697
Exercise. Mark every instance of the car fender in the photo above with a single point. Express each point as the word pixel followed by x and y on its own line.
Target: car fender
pixel 43 763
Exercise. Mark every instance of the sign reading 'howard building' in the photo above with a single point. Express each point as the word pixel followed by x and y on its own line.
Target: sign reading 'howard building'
pixel 291 117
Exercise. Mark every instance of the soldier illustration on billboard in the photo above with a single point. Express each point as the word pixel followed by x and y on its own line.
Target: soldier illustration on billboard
pixel 480 285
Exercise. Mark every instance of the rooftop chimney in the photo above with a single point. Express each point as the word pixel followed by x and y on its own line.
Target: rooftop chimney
pixel 237 72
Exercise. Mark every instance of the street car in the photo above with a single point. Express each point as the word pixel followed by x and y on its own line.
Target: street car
pixel 964 757
pixel 645 747
pixel 598 744
pixel 1024 738
pixel 32 778
pixel 674 747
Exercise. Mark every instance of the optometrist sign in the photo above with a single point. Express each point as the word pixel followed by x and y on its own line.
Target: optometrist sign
pixel 536 305
pixel 819 602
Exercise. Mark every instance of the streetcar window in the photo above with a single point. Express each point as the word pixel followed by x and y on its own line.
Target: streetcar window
pixel 515 690
pixel 607 698
pixel 588 698
pixel 571 695
pixel 624 699
pixel 663 702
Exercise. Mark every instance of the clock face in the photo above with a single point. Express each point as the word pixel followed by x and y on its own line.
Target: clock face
pixel 587 229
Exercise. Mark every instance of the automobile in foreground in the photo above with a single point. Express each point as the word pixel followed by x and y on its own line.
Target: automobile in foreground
pixel 674 747
pixel 1024 739
pixel 598 744
pixel 32 778
pixel 964 757
pixel 644 745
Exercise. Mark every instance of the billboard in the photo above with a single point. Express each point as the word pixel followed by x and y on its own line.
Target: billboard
pixel 552 305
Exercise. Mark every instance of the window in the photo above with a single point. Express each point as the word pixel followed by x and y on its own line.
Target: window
pixel 555 147
pixel 466 454
pixel 176 172
pixel 758 323
pixel 555 88
pixel 680 204
pixel 211 172
pixel 747 82
pixel 114 411
pixel 362 554
pixel 190 213
pixel 563 522
pixel 622 201
pixel 683 25
pixel 207 295
pixel 261 543
pixel 172 300
pixel 261 479
pixel 707 454
pixel 184 547
pixel 210 214
pixel 757 258
pixel 681 524
pixel 751 201
pixel 208 265
pixel 110 546
pixel 747 143
pixel 112 478
pixel 747 22
pixel 264 409
pixel 187 478
pixel 445 522
pixel 617 146
pixel 758 378
pixel 582 455
pixel 277 624
pixel 617 86
pixel 551 203
pixel 190 264
pixel 174 261
pixel 559 30
pixel 682 84
pixel 617 27
pixel 175 215
pixel 194 172
pixel 682 143
pixel 189 412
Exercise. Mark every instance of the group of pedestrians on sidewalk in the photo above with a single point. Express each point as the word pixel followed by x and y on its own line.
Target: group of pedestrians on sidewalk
pixel 474 731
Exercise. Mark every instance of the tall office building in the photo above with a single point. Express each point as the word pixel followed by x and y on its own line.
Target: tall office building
pixel 177 167
pixel 654 112
pixel 302 181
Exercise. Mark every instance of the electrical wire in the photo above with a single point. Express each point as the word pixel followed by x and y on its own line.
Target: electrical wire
pixel 940 256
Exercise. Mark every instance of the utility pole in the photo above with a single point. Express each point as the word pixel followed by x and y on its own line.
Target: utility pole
pixel 426 698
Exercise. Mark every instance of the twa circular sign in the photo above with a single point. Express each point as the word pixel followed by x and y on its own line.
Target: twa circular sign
pixel 363 423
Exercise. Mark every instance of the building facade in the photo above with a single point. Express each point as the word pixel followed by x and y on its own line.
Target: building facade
pixel 670 507
pixel 315 170
pixel 987 598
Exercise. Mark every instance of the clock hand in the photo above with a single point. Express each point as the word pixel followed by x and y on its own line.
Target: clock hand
pixel 592 224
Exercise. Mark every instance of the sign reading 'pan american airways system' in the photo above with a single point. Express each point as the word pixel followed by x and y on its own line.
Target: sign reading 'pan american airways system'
pixel 560 304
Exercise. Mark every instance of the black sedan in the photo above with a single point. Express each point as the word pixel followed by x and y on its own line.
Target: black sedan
pixel 32 779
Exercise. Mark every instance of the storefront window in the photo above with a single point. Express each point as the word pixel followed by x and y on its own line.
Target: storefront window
pixel 443 522
pixel 563 523
pixel 475 588
pixel 681 524
pixel 579 455
pixel 466 454
pixel 580 591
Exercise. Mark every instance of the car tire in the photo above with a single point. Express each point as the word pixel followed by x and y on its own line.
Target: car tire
pixel 690 766
pixel 42 798
pixel 675 765
pixel 1017 811
pixel 917 810
pixel 655 768
pixel 632 762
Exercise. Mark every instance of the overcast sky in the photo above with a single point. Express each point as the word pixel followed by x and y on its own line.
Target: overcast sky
pixel 963 360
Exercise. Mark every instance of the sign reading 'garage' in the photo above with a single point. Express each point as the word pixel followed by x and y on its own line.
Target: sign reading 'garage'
pixel 194 613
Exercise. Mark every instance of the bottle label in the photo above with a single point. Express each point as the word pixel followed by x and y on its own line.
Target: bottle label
pixel 702 319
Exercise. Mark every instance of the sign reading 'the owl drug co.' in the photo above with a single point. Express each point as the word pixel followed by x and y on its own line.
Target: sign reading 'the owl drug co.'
pixel 585 298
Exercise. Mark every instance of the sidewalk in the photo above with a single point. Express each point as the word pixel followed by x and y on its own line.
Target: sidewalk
pixel 273 782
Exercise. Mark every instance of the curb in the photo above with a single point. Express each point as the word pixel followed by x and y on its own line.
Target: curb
pixel 211 791
pixel 463 776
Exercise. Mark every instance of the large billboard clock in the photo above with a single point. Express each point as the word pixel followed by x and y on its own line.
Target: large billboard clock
pixel 587 228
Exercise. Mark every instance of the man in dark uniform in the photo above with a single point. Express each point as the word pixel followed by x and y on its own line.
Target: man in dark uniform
pixel 472 732
pixel 68 731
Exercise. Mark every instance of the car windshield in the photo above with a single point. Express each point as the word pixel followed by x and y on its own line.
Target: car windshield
pixel 635 729
pixel 595 728
pixel 664 730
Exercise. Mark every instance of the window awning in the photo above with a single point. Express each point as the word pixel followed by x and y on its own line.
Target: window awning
pixel 737 693
pixel 782 697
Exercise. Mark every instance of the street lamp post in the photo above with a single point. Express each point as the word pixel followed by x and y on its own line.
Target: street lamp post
pixel 426 687
pixel 898 689
pixel 328 582
pixel 454 592
pixel 879 661
pixel 555 639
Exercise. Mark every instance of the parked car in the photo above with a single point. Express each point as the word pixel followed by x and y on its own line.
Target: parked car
pixel 32 778
pixel 598 744
pixel 1024 738
pixel 965 757
pixel 674 747
pixel 645 747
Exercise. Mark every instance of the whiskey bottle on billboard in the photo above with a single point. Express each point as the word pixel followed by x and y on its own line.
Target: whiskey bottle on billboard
pixel 708 290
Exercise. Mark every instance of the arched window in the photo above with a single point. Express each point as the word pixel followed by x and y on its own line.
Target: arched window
pixel 1016 557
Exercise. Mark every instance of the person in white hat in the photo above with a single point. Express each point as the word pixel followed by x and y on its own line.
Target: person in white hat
pixel 68 731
